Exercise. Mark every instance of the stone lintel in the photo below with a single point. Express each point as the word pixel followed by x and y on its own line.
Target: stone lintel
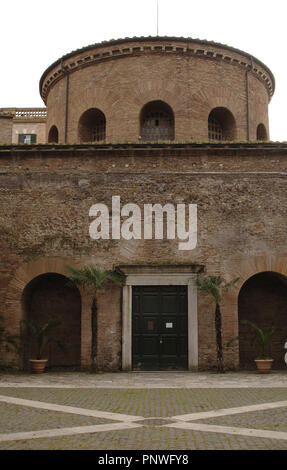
pixel 145 269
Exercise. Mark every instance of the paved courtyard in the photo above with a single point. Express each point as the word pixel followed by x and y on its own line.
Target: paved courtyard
pixel 143 411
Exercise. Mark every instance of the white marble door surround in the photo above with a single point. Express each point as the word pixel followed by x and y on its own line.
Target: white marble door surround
pixel 160 275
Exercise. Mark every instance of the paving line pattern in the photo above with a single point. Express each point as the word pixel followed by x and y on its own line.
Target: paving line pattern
pixel 230 411
pixel 127 422
pixel 69 409
pixel 231 430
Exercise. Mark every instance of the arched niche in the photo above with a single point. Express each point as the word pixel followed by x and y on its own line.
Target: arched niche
pixel 52 297
pixel 262 300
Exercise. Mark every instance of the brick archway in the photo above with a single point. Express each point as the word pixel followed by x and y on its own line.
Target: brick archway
pixel 245 269
pixel 14 306
pixel 262 300
pixel 92 126
pixel 156 122
pixel 51 297
pixel 221 124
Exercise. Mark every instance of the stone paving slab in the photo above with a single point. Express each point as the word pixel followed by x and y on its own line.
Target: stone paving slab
pixel 148 438
pixel 22 418
pixel 183 379
pixel 150 402
pixel 273 420
pixel 66 411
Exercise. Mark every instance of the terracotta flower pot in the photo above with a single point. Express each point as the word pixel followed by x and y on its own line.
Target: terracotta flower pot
pixel 38 365
pixel 264 365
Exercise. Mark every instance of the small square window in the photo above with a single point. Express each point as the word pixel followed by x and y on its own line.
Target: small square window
pixel 27 138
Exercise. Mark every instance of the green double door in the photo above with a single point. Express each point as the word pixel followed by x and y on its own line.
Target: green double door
pixel 159 328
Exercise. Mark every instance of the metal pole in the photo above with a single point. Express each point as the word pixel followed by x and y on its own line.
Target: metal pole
pixel 157 18
pixel 66 106
pixel 66 103
pixel 247 105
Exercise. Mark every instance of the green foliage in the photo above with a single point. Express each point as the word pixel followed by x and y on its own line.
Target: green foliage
pixel 94 277
pixel 215 286
pixel 97 279
pixel 263 337
pixel 43 335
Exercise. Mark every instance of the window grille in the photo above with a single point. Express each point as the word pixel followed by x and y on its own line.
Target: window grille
pixel 157 124
pixel 92 126
pixel 99 130
pixel 215 131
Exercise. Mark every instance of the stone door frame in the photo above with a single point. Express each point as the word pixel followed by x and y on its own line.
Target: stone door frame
pixel 159 275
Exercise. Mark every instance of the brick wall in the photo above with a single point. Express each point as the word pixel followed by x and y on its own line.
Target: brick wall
pixel 192 78
pixel 46 194
pixel 6 129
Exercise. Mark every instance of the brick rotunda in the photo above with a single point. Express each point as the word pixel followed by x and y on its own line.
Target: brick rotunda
pixel 167 121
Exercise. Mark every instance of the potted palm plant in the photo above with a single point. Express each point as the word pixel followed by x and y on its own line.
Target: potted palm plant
pixel 263 337
pixel 42 336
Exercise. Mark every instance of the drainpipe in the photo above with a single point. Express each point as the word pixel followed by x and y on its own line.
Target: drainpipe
pixel 66 102
pixel 247 103
pixel 247 99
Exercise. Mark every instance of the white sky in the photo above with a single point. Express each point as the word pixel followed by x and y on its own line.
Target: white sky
pixel 34 34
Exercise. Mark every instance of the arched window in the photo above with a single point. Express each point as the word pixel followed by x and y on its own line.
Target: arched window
pixel 261 132
pixel 92 126
pixel 53 136
pixel 156 122
pixel 221 125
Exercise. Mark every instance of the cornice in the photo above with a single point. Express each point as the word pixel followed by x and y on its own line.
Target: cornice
pixel 116 49
pixel 129 149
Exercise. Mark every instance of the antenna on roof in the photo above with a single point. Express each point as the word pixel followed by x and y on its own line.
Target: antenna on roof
pixel 157 18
